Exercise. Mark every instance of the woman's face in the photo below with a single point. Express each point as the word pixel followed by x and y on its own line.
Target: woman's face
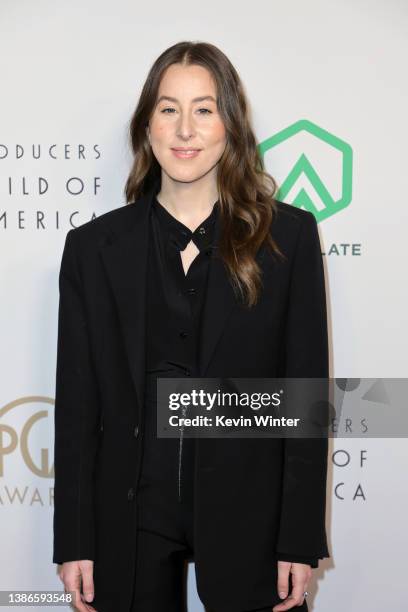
pixel 180 120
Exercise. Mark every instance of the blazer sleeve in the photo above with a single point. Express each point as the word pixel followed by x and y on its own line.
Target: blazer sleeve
pixel 312 561
pixel 302 523
pixel 76 419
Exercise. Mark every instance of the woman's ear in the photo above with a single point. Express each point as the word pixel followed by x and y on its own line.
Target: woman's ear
pixel 148 132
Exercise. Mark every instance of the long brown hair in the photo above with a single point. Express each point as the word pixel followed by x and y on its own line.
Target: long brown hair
pixel 245 189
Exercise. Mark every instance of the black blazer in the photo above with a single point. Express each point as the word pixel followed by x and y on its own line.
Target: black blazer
pixel 255 498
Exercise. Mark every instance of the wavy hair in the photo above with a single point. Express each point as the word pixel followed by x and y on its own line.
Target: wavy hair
pixel 246 191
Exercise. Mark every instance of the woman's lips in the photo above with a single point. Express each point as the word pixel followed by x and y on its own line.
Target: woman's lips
pixel 186 154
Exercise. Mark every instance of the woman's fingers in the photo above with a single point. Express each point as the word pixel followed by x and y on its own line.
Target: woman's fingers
pixel 87 580
pixel 283 579
pixel 77 602
pixel 72 574
pixel 301 574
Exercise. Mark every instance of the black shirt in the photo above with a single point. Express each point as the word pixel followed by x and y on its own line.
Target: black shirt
pixel 176 299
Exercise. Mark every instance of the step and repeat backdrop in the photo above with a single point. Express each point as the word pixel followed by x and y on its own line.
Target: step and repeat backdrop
pixel 328 94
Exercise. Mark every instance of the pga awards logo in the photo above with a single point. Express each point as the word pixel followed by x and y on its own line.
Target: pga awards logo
pixel 26 452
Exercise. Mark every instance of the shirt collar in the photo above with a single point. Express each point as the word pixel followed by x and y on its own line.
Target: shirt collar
pixel 177 235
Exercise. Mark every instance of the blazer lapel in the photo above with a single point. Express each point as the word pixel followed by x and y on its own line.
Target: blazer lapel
pixel 218 303
pixel 125 261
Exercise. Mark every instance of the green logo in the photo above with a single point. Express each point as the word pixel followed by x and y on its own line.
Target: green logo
pixel 304 167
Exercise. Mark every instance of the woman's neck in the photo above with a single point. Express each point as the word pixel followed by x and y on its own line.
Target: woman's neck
pixel 190 203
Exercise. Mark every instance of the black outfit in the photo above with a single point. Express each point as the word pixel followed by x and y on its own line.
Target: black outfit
pixel 245 518
pixel 166 493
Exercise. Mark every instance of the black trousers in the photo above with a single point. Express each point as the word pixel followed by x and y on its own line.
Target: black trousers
pixel 165 516
pixel 165 541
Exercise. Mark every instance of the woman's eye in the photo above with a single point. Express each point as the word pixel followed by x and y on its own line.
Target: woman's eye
pixel 206 110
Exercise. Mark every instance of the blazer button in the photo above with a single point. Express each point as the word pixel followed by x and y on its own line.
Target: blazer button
pixel 136 431
pixel 131 494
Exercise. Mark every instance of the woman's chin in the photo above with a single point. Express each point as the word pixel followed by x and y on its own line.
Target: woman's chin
pixel 185 176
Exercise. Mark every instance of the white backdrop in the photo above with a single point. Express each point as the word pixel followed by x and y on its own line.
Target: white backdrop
pixel 71 74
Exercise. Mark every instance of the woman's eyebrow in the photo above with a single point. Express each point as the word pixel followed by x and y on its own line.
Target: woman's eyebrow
pixel 199 99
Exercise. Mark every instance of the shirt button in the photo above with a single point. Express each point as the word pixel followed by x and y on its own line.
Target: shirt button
pixel 136 431
pixel 202 230
pixel 183 334
pixel 191 291
pixel 131 494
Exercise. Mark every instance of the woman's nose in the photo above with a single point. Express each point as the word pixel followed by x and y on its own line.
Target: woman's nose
pixel 186 126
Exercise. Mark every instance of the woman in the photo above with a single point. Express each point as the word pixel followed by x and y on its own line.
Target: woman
pixel 202 274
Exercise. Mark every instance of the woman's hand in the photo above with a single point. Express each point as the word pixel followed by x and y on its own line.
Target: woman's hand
pixel 71 574
pixel 301 574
